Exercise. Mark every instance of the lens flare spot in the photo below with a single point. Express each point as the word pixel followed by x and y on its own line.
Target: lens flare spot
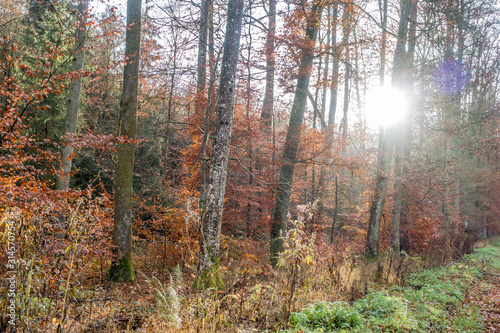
pixel 451 76
pixel 385 106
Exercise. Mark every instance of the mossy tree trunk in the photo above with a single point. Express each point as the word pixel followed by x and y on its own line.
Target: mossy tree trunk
pixel 208 274
pixel 74 92
pixel 122 268
pixel 278 223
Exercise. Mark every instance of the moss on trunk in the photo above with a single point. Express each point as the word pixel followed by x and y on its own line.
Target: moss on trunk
pixel 208 274
pixel 209 278
pixel 122 270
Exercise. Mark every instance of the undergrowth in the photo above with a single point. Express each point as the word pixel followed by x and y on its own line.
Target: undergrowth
pixel 431 300
pixel 316 287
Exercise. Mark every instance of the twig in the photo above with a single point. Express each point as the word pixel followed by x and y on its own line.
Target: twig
pixel 101 299
pixel 190 124
pixel 453 263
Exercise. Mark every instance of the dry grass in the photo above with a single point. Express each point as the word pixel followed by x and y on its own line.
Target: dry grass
pixel 256 297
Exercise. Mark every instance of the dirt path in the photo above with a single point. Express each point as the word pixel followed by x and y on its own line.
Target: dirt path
pixel 486 295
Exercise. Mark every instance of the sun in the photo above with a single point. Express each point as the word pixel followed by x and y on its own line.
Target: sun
pixel 385 106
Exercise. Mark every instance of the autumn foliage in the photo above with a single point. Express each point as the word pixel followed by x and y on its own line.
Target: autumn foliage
pixel 62 239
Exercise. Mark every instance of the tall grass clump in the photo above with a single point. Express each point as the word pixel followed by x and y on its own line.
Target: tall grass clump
pixel 168 300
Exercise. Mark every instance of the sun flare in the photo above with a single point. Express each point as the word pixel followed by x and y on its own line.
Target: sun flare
pixel 385 106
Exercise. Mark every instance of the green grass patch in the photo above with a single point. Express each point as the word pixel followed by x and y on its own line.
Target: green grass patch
pixel 326 316
pixel 377 312
pixel 489 254
pixel 432 300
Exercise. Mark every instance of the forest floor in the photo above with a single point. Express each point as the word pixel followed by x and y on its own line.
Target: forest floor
pixel 485 294
pixel 463 296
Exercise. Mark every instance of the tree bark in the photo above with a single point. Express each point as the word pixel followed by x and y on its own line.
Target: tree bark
pixel 267 109
pixel 122 268
pixel 208 274
pixel 201 98
pixel 74 93
pixel 346 31
pixel 202 47
pixel 278 223
pixel 383 47
pixel 385 147
pixel 327 67
pixel 335 70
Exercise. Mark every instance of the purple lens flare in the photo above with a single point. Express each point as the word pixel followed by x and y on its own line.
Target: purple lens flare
pixel 451 76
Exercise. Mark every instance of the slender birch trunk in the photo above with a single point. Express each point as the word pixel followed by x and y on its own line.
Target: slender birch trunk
pixel 74 92
pixel 208 274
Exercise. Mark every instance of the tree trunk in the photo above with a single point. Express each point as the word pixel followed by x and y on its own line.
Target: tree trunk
pixel 74 93
pixel 202 47
pixel 377 206
pixel 403 146
pixel 278 224
pixel 327 66
pixel 323 179
pixel 398 198
pixel 386 143
pixel 346 31
pixel 335 70
pixel 208 274
pixel 334 219
pixel 267 109
pixel 383 47
pixel 201 98
pixel 122 268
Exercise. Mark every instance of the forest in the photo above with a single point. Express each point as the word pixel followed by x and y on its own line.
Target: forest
pixel 250 166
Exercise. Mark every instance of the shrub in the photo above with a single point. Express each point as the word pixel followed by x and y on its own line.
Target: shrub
pixel 385 312
pixel 327 316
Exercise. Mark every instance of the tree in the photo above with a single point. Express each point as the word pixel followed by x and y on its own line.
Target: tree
pixel 202 55
pixel 382 5
pixel 208 273
pixel 282 200
pixel 122 268
pixel 335 71
pixel 74 92
pixel 402 147
pixel 386 142
pixel 267 109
